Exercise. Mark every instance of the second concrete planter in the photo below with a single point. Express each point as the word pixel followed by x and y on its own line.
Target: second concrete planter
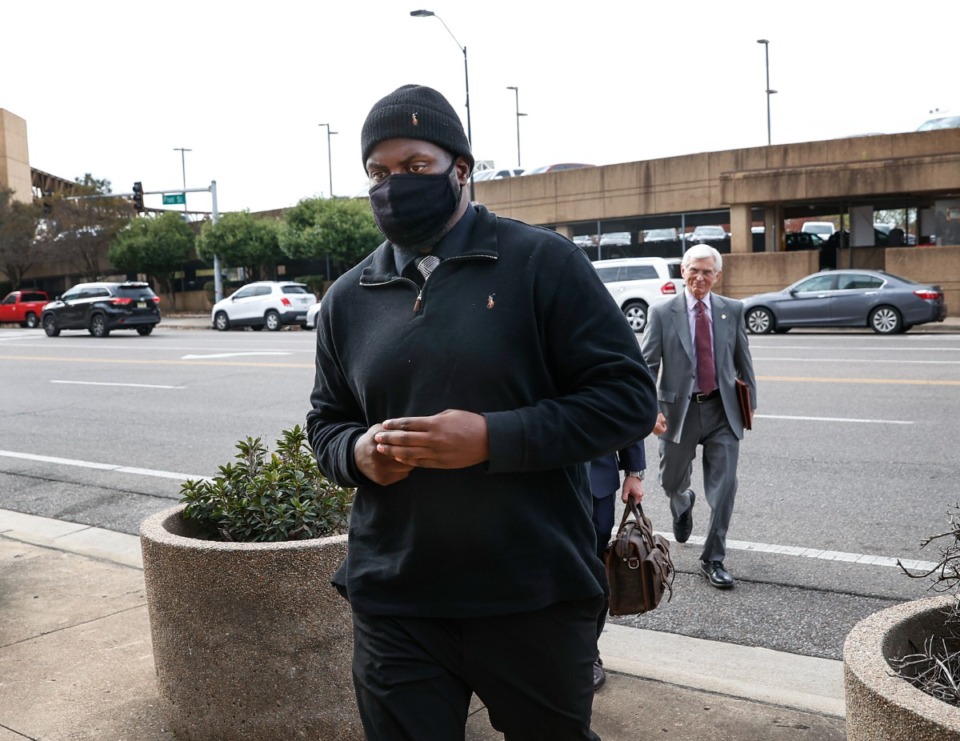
pixel 881 705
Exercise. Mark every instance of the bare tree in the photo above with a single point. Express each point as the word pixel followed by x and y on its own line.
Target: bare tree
pixel 19 248
pixel 85 224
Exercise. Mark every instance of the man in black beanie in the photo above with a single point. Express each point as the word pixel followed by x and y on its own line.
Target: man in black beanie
pixel 465 373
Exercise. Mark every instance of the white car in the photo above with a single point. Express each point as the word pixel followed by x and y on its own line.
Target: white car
pixel 660 235
pixel 823 229
pixel 707 234
pixel 481 175
pixel 266 303
pixel 941 120
pixel 311 321
pixel 637 283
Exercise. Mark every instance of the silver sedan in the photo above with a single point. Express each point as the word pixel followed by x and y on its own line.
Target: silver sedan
pixel 884 302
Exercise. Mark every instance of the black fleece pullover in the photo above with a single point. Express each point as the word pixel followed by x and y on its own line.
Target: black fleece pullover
pixel 517 327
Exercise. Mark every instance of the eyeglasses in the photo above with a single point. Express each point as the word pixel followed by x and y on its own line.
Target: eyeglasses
pixel 694 272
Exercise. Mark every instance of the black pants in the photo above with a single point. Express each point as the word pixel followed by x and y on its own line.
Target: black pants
pixel 414 676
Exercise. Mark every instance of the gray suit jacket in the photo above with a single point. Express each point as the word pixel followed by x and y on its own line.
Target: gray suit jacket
pixel 668 349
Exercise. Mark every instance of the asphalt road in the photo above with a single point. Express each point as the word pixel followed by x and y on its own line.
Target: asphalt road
pixel 851 464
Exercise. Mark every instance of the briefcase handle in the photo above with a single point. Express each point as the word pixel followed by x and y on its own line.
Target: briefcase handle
pixel 632 508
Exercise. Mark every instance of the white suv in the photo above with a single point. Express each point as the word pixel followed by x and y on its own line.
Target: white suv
pixel 637 283
pixel 266 303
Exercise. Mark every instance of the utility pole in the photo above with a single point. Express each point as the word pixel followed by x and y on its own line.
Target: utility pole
pixel 329 156
pixel 183 163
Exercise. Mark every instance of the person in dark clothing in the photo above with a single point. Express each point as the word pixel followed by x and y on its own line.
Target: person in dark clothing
pixel 604 483
pixel 466 372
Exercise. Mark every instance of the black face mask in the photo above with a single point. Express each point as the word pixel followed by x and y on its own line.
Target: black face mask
pixel 412 211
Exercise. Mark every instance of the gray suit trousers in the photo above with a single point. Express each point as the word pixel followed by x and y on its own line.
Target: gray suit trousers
pixel 705 425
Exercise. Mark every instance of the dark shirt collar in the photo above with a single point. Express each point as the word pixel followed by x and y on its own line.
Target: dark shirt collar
pixel 453 243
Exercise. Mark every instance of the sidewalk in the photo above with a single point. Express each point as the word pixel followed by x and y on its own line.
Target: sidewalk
pixel 76 660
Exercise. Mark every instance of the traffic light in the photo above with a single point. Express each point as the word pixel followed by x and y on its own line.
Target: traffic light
pixel 138 196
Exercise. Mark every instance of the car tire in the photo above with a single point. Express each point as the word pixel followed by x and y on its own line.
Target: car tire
pixel 885 320
pixel 32 321
pixel 50 326
pixel 145 330
pixel 98 326
pixel 221 321
pixel 760 321
pixel 272 320
pixel 636 314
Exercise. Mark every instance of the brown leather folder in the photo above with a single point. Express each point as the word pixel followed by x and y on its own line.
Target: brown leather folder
pixel 746 407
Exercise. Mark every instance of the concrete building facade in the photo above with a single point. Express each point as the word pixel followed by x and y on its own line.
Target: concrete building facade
pixel 14 156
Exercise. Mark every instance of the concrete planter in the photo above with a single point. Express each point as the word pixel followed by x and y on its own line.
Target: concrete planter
pixel 879 704
pixel 250 640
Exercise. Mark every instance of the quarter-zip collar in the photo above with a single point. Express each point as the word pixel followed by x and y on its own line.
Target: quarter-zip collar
pixel 474 236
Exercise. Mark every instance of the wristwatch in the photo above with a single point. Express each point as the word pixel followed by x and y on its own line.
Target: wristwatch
pixel 635 474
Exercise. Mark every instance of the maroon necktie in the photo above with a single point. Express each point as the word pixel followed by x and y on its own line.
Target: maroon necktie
pixel 706 371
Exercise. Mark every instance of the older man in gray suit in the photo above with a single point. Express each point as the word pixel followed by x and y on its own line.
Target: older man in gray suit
pixel 697 342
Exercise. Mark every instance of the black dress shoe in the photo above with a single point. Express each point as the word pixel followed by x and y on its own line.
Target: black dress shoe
pixel 718 576
pixel 683 525
pixel 599 675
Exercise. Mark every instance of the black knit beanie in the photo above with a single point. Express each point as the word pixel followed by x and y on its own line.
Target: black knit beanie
pixel 415 112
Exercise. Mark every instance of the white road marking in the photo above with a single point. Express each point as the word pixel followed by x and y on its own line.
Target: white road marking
pixel 5 337
pixel 230 355
pixel 787 550
pixel 836 419
pixel 99 466
pixel 790 550
pixel 846 346
pixel 131 385
pixel 860 361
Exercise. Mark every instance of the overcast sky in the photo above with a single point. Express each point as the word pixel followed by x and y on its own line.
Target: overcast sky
pixel 112 88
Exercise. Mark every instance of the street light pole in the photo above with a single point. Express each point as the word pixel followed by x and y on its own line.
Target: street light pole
pixel 329 157
pixel 766 53
pixel 516 92
pixel 183 164
pixel 466 76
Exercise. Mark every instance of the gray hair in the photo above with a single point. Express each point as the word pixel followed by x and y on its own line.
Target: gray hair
pixel 700 251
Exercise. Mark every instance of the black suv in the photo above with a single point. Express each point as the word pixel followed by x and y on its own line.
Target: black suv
pixel 102 307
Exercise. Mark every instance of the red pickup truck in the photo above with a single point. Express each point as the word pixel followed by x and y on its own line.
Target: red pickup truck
pixel 23 308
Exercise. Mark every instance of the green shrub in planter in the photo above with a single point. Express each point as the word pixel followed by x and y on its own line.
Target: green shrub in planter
pixel 268 497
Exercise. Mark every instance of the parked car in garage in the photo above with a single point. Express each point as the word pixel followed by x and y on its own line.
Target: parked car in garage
pixel 556 168
pixel 101 308
pixel 637 283
pixel 822 229
pixel 660 235
pixel 941 120
pixel 707 233
pixel 266 303
pixel 802 241
pixel 496 174
pixel 884 302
